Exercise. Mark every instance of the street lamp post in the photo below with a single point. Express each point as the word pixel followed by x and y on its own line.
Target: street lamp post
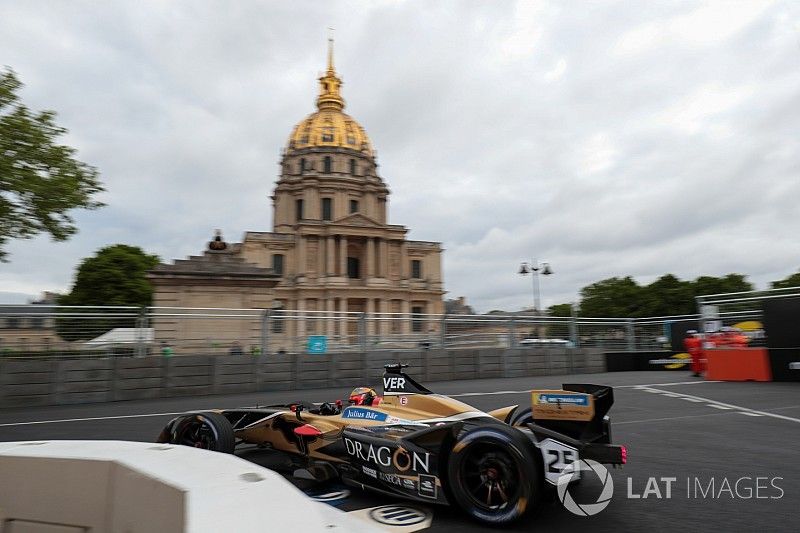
pixel 533 267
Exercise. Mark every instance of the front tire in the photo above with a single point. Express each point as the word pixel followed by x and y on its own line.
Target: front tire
pixel 209 431
pixel 493 474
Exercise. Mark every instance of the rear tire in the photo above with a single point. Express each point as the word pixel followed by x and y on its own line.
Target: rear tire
pixel 494 475
pixel 209 431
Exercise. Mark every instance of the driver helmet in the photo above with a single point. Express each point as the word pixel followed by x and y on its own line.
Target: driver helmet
pixel 362 396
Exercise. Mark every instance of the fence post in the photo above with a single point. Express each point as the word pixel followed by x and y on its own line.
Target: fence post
pixel 573 326
pixel 362 331
pixel 443 331
pixel 265 332
pixel 630 335
pixel 512 337
pixel 141 324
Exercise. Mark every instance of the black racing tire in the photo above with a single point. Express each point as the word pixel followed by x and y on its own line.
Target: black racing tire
pixel 210 431
pixel 520 417
pixel 494 474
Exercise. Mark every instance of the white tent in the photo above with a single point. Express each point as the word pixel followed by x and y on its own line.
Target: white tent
pixel 121 336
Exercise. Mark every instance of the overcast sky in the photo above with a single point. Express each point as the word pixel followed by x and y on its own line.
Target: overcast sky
pixel 608 138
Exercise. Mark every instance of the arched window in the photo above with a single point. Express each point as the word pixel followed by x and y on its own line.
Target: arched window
pixel 352 167
pixel 302 165
pixel 327 164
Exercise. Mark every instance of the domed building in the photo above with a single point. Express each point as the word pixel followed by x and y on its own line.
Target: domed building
pixel 331 247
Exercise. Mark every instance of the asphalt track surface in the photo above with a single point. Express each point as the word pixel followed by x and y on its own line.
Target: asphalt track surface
pixel 674 426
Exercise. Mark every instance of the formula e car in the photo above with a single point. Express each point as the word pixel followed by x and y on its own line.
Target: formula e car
pixel 418 445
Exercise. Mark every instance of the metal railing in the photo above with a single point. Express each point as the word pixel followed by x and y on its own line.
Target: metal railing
pixel 60 331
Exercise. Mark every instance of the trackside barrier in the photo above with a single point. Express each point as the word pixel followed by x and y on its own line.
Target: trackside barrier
pixel 53 382
pixel 741 364
pixel 139 487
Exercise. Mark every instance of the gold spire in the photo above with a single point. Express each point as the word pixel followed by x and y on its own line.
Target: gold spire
pixel 330 52
pixel 329 98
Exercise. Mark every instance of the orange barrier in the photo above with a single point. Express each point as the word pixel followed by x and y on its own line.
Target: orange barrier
pixel 738 364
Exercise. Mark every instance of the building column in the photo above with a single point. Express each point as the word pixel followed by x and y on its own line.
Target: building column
pixel 343 256
pixel 370 257
pixel 341 319
pixel 370 316
pixel 404 260
pixel 330 320
pixel 301 321
pixel 384 258
pixel 331 256
pixel 405 308
pixel 301 255
pixel 385 325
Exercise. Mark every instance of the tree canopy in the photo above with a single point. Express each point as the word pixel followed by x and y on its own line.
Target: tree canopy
pixel 115 275
pixel 560 310
pixel 40 180
pixel 789 281
pixel 666 296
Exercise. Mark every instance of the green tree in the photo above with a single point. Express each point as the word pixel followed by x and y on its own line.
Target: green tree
pixel 560 310
pixel 729 283
pixel 790 281
pixel 40 180
pixel 613 297
pixel 667 296
pixel 114 276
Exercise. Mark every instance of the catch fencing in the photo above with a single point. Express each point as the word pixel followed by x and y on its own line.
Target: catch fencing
pixel 61 331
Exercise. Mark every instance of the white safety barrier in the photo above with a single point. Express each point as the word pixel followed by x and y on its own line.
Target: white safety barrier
pixel 98 486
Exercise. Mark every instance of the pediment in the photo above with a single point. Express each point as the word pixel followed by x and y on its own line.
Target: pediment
pixel 358 219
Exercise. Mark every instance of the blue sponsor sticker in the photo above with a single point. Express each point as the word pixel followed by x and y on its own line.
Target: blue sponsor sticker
pixel 359 413
pixel 570 399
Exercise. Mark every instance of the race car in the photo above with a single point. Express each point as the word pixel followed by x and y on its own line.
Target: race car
pixel 422 446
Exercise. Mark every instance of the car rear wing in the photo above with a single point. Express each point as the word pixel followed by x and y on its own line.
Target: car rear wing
pixel 577 410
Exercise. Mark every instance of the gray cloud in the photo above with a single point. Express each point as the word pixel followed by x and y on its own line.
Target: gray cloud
pixel 612 138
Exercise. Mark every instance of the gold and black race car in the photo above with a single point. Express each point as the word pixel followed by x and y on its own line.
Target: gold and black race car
pixel 423 446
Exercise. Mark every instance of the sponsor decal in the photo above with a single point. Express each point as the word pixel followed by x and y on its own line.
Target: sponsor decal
pixel 371 472
pixel 398 515
pixel 561 405
pixel 394 384
pixel 679 360
pixel 401 459
pixel 403 400
pixel 394 479
pixel 359 413
pixel 794 365
pixel 570 399
pixel 427 486
pixel 409 484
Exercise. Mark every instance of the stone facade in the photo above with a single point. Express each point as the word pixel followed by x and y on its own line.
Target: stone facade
pixel 331 247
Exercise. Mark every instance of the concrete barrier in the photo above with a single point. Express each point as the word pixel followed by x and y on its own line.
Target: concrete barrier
pixel 139 487
pixel 26 383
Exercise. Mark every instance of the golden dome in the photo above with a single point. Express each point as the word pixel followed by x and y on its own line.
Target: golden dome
pixel 329 126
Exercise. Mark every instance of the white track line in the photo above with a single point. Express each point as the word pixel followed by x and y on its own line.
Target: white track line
pixel 88 419
pixel 666 384
pixel 666 418
pixel 721 405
